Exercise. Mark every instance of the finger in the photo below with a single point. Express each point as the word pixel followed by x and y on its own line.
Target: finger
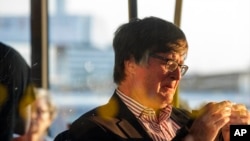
pixel 226 127
pixel 239 110
pixel 216 107
pixel 239 114
pixel 217 111
pixel 248 117
pixel 239 107
pixel 223 122
pixel 239 121
pixel 222 117
pixel 224 104
pixel 216 119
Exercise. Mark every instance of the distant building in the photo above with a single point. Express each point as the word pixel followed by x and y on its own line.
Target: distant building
pixel 62 30
pixel 75 62
pixel 237 82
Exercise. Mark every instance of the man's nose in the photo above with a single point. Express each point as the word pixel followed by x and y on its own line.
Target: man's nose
pixel 176 74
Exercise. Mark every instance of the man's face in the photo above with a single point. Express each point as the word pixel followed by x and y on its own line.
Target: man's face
pixel 157 83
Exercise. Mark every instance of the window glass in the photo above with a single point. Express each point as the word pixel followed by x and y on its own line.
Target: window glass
pixel 161 8
pixel 15 26
pixel 81 54
pixel 219 63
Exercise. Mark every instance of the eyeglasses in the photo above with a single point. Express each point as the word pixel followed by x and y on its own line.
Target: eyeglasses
pixel 171 65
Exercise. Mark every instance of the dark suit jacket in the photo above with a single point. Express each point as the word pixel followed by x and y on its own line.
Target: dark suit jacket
pixel 115 122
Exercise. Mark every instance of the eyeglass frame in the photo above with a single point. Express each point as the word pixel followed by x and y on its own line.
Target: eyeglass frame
pixel 182 67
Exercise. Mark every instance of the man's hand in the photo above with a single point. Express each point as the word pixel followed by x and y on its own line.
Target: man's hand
pixel 239 116
pixel 209 120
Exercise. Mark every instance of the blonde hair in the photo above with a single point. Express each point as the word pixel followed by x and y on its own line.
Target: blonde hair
pixel 41 93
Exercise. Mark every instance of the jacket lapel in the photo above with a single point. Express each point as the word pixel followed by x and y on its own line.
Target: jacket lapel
pixel 128 123
pixel 180 116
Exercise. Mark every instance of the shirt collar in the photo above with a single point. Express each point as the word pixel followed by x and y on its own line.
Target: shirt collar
pixel 143 112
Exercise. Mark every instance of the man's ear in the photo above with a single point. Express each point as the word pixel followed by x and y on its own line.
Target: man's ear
pixel 130 66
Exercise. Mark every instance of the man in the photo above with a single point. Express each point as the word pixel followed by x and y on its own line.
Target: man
pixel 16 93
pixel 149 64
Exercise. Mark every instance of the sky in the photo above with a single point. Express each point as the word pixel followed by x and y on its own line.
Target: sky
pixel 218 31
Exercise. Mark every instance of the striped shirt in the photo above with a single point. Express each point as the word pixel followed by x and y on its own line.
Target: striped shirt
pixel 161 128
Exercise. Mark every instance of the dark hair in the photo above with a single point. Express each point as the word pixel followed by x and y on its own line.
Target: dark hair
pixel 15 90
pixel 141 37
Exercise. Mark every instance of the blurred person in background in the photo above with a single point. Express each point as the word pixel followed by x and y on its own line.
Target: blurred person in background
pixel 150 58
pixel 43 114
pixel 16 93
